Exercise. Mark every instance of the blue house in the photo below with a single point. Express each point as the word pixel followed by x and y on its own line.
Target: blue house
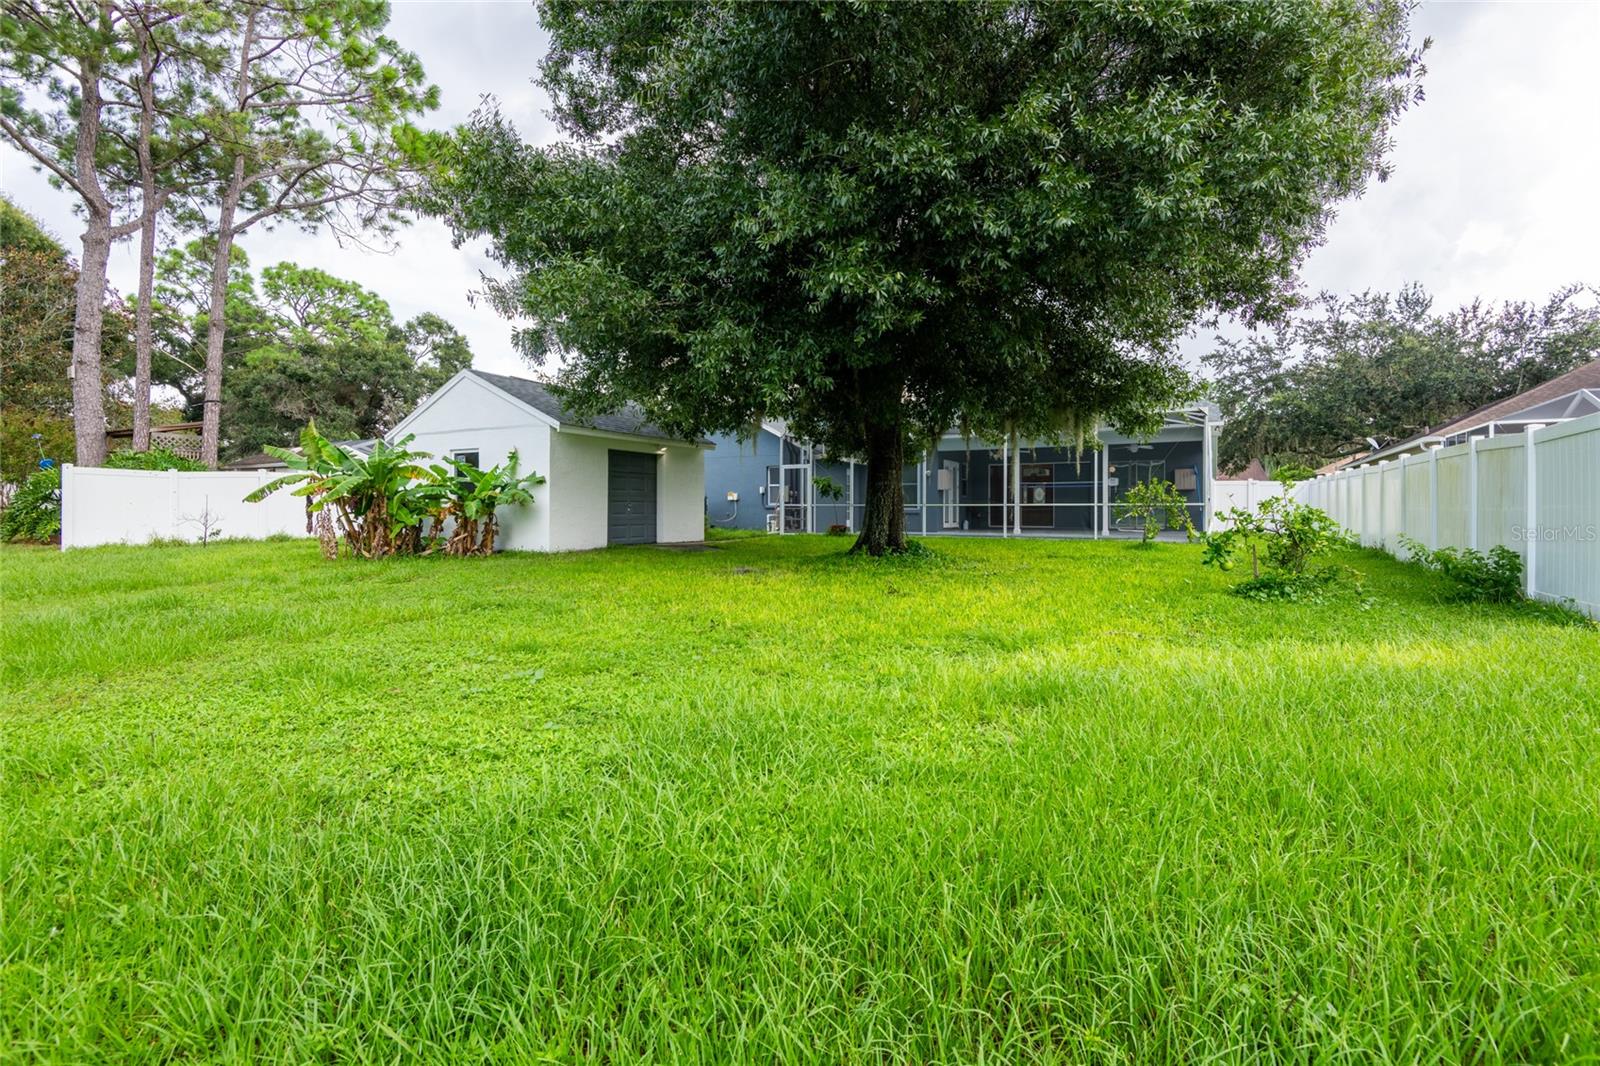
pixel 775 482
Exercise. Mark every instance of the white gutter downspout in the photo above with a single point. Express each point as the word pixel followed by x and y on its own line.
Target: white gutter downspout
pixel 1016 461
pixel 850 500
pixel 1005 477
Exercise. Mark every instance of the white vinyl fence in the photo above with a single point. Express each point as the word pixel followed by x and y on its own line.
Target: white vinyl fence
pixel 1543 502
pixel 1246 495
pixel 104 506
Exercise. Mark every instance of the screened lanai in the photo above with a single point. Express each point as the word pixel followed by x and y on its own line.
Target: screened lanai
pixel 1022 487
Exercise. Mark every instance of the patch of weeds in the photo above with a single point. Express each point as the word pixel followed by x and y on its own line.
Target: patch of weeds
pixel 1474 576
pixel 1316 585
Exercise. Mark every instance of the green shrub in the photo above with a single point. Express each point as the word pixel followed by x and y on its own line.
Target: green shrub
pixel 157 458
pixel 1151 503
pixel 1284 536
pixel 35 511
pixel 1476 577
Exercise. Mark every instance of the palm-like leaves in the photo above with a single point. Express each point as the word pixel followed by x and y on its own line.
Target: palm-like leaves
pixel 474 497
pixel 389 501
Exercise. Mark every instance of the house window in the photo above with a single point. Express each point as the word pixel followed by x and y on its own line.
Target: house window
pixel 774 486
pixel 467 457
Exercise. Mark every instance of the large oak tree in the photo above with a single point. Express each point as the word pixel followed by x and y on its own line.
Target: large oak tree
pixel 876 220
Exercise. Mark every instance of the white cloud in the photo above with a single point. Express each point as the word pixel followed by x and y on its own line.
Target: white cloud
pixel 1493 192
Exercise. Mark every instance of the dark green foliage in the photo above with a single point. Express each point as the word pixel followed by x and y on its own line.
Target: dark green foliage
pixel 1388 368
pixel 302 345
pixel 37 305
pixel 326 349
pixel 1156 503
pixel 1476 577
pixel 158 457
pixel 879 220
pixel 34 513
pixel 1312 585
pixel 1284 536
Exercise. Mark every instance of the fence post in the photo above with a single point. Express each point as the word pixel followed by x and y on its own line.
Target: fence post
pixel 1366 512
pixel 1530 522
pixel 1402 494
pixel 68 517
pixel 1383 504
pixel 1433 496
pixel 172 480
pixel 1472 493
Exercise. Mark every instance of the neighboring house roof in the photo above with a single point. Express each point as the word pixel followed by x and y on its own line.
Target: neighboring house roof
pixel 1253 471
pixel 1575 393
pixel 1340 464
pixel 629 420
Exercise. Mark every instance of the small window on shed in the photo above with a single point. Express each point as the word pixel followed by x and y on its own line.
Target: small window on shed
pixel 469 457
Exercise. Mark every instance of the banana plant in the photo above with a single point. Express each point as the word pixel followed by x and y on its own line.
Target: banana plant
pixel 474 497
pixel 369 494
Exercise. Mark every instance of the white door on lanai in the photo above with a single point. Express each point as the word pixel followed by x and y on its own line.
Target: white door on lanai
pixel 950 493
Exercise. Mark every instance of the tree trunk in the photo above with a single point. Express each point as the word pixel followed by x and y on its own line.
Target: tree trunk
pixel 143 342
pixel 88 392
pixel 88 323
pixel 217 332
pixel 216 319
pixel 883 527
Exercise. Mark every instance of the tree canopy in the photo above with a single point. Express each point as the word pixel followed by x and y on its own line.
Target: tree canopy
pixel 877 220
pixel 1345 372
pixel 38 283
pixel 302 345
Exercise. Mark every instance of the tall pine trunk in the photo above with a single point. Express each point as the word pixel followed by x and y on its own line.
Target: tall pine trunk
pixel 88 393
pixel 883 527
pixel 216 319
pixel 88 322
pixel 143 341
pixel 217 328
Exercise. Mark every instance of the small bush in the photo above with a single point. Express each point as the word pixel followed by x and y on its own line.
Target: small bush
pixel 1280 537
pixel 1476 577
pixel 35 511
pixel 1151 503
pixel 157 458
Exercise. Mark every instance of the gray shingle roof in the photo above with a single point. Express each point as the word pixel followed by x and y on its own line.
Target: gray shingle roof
pixel 630 419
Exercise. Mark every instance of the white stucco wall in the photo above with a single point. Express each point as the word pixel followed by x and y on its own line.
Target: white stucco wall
pixel 473 415
pixel 577 489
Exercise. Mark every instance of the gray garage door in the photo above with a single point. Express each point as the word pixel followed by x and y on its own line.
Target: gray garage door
pixel 631 498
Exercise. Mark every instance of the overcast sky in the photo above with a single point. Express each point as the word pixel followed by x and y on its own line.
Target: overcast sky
pixel 1494 191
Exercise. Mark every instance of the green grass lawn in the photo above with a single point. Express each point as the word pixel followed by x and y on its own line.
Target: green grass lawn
pixel 1064 801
